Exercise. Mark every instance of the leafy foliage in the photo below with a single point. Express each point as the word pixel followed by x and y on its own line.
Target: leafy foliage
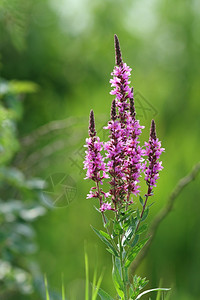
pixel 20 203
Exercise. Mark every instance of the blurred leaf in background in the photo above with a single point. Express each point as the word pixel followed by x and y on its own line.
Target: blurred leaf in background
pixel 20 203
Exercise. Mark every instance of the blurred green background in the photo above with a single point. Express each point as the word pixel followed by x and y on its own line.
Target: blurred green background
pixel 55 63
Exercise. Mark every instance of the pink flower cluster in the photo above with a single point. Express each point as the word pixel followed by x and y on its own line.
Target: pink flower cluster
pixel 115 151
pixel 94 162
pixel 134 153
pixel 124 161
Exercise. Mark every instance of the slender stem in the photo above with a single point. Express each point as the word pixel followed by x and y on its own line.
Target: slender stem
pixel 143 209
pixel 100 200
pixel 123 269
pixel 141 215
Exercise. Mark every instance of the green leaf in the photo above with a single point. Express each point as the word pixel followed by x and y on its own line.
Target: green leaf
pixel 110 251
pixel 142 229
pixel 126 274
pixel 87 277
pixel 106 221
pixel 152 290
pixel 63 288
pixel 96 287
pixel 135 251
pixel 128 235
pixel 105 234
pixel 138 214
pixel 116 276
pixel 138 284
pixel 130 231
pixel 134 242
pixel 141 200
pixel 103 295
pixel 145 214
pixel 126 215
pixel 102 237
pixel 18 87
pixel 117 229
pixel 46 288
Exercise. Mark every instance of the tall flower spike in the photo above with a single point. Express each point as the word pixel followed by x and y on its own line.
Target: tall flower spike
pixel 114 151
pixel 120 83
pixel 153 151
pixel 123 150
pixel 94 162
pixel 134 153
pixel 118 54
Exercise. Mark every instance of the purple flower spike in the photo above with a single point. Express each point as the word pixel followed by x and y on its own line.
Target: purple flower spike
pixel 134 153
pixel 120 82
pixel 115 153
pixel 94 162
pixel 153 151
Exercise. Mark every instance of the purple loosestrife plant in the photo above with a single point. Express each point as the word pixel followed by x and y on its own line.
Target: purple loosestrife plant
pixel 122 166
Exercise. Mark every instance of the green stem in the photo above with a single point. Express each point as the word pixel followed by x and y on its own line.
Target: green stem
pixel 123 270
pixel 141 215
pixel 144 206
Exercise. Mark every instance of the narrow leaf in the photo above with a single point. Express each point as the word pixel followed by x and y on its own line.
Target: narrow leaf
pixel 103 295
pixel 63 288
pixel 142 229
pixel 152 290
pixel 110 251
pixel 86 277
pixel 46 288
pixel 117 228
pixel 105 234
pixel 117 280
pixel 135 251
pixel 134 242
pixel 94 283
pixel 141 200
pixel 145 214
pixel 96 288
pixel 138 214
pixel 105 241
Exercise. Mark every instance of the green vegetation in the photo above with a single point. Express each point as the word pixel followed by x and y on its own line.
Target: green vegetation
pixel 55 64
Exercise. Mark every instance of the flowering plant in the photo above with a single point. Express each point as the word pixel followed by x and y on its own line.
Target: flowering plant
pixel 122 161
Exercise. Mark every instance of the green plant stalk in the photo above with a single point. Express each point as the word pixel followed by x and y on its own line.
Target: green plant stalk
pixel 123 270
pixel 141 215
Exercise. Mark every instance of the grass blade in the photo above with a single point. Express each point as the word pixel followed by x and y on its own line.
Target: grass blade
pixel 86 277
pixel 46 288
pixel 63 288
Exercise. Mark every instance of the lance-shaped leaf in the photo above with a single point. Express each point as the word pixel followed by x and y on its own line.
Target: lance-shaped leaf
pixel 142 229
pixel 145 214
pixel 105 234
pixel 103 295
pixel 152 290
pixel 134 252
pixel 141 201
pixel 117 229
pixel 105 240
pixel 116 275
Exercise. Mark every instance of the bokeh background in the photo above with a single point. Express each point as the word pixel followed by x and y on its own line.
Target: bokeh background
pixel 55 63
